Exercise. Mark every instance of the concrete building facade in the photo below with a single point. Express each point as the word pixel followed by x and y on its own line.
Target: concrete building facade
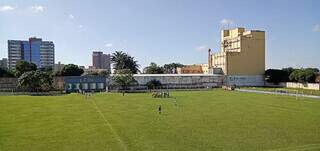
pixel 35 50
pixel 176 81
pixel 58 67
pixel 241 52
pixel 101 60
pixel 84 83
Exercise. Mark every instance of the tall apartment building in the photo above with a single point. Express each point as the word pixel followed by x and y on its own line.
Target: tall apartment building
pixel 100 60
pixel 4 63
pixel 241 52
pixel 35 50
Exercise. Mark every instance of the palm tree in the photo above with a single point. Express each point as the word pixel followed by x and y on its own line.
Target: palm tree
pixel 122 60
pixel 118 59
pixel 123 78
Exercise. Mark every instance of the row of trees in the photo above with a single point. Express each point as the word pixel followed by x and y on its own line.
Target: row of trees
pixel 23 67
pixel 125 66
pixel 153 68
pixel 31 78
pixel 302 75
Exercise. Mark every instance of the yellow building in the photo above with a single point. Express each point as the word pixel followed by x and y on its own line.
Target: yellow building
pixel 193 69
pixel 241 52
pixel 205 68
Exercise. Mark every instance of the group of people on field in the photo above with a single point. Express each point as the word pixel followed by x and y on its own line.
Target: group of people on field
pixel 160 94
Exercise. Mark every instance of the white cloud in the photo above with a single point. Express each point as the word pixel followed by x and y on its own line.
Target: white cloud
pixel 38 8
pixel 202 48
pixel 316 28
pixel 226 22
pixel 71 16
pixel 108 45
pixel 80 26
pixel 6 8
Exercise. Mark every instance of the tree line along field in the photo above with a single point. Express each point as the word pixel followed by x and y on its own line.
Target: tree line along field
pixel 190 120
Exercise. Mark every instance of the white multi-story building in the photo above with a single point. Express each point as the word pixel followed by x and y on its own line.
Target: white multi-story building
pixel 35 50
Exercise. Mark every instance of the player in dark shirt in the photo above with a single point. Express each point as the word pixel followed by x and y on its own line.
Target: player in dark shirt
pixel 159 109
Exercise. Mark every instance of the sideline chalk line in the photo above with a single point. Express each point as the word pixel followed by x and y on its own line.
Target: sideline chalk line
pixel 107 123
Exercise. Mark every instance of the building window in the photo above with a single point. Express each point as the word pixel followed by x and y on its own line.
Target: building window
pixel 85 86
pixel 77 86
pixel 69 87
pixel 100 85
pixel 92 85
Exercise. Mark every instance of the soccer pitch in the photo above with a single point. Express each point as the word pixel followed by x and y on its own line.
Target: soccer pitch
pixel 199 120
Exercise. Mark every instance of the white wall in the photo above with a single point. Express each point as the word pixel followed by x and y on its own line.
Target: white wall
pixel 310 86
pixel 244 80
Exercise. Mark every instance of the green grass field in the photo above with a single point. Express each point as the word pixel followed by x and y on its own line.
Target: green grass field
pixel 201 120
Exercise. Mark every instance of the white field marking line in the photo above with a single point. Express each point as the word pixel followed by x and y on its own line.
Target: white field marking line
pixel 107 123
pixel 298 148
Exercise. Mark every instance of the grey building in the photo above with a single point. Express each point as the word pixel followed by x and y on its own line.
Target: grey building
pixel 100 60
pixel 34 50
pixel 4 63
pixel 58 67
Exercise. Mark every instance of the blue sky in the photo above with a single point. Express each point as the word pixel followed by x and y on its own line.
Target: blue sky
pixel 163 31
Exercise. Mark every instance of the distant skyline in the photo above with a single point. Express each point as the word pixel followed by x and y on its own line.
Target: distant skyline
pixel 163 31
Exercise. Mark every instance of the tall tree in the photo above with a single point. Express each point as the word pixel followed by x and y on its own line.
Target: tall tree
pixel 123 78
pixel 303 75
pixel 288 71
pixel 24 66
pixel 35 81
pixel 6 73
pixel 153 68
pixel 122 60
pixel 172 68
pixel 276 75
pixel 153 84
pixel 71 70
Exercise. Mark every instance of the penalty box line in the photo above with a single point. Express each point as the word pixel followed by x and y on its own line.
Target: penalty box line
pixel 107 124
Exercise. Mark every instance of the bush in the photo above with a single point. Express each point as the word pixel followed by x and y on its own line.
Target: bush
pixel 71 70
pixel 276 75
pixel 154 84
pixel 35 81
pixel 291 74
pixel 6 73
pixel 24 66
pixel 123 78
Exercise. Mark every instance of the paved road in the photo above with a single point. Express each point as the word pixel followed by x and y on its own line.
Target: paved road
pixel 278 93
